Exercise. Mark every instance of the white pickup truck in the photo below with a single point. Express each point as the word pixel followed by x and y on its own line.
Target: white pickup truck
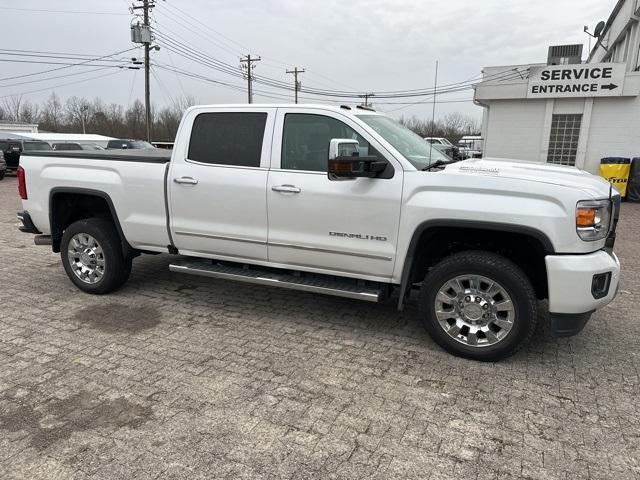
pixel 341 201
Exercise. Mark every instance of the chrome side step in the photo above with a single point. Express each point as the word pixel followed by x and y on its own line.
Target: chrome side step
pixel 318 284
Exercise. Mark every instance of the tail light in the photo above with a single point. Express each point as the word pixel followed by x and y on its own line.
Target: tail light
pixel 22 184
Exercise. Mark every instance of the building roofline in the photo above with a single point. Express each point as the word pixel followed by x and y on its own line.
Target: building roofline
pixel 612 16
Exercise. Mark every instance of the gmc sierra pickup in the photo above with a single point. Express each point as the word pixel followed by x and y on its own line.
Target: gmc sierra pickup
pixel 342 201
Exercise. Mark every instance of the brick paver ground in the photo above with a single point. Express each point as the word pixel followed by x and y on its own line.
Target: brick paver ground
pixel 180 377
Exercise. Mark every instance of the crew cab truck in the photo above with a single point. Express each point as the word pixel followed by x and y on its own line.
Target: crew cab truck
pixel 341 201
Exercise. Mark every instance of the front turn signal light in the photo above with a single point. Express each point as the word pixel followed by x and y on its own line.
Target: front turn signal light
pixel 593 219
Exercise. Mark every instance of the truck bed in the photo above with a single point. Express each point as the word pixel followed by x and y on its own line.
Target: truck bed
pixel 131 181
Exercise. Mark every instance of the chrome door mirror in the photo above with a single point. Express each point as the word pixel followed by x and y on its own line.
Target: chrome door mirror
pixel 345 161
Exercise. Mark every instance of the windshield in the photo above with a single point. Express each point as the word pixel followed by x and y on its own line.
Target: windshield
pixel 35 146
pixel 412 146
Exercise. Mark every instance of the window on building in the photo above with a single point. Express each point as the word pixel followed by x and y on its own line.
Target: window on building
pixel 228 138
pixel 563 143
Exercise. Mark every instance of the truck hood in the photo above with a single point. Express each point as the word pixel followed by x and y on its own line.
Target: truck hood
pixel 537 172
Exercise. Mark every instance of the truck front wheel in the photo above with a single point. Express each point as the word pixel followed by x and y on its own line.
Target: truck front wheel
pixel 478 305
pixel 92 256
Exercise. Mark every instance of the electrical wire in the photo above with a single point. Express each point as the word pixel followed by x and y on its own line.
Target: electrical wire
pixel 56 77
pixel 67 66
pixel 62 85
pixel 83 12
pixel 38 62
pixel 57 55
pixel 193 54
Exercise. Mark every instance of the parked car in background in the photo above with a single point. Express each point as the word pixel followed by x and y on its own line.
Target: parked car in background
pixel 91 147
pixel 445 150
pixel 35 146
pixel 3 166
pixel 471 146
pixel 444 145
pixel 438 141
pixel 129 145
pixel 11 149
pixel 67 146
pixel 165 145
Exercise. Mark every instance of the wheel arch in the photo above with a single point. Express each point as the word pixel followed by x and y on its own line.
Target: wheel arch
pixel 452 236
pixel 96 204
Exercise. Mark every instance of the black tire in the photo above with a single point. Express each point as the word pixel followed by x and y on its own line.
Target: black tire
pixel 117 267
pixel 497 268
pixel 2 175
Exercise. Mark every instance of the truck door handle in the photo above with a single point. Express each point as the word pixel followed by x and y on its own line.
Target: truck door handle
pixel 286 188
pixel 186 180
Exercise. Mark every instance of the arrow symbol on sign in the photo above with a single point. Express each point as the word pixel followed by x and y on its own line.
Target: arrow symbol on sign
pixel 611 86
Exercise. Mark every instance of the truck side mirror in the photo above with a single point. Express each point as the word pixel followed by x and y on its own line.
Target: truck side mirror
pixel 345 161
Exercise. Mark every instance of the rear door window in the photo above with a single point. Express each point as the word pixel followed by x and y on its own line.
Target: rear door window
pixel 232 138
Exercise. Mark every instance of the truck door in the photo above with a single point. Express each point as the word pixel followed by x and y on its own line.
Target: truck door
pixel 217 184
pixel 341 227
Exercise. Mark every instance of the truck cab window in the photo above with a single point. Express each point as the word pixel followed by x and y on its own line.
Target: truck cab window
pixel 228 138
pixel 306 137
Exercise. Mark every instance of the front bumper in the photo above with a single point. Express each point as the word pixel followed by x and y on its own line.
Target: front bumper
pixel 579 285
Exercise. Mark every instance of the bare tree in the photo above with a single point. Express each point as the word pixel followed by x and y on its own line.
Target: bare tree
pixel 11 107
pixel 52 114
pixel 452 126
pixel 29 113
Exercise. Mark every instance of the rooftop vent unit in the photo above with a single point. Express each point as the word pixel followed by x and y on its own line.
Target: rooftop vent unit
pixel 565 54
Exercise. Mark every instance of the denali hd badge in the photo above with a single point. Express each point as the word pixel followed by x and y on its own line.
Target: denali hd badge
pixel 480 170
pixel 358 235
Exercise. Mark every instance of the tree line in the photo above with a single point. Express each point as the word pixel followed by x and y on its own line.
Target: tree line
pixel 114 120
pixel 453 126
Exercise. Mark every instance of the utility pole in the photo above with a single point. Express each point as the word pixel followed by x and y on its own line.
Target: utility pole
pixel 249 68
pixel 366 99
pixel 295 72
pixel 147 83
pixel 142 34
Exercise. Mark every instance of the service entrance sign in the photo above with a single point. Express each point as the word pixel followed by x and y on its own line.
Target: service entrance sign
pixel 581 80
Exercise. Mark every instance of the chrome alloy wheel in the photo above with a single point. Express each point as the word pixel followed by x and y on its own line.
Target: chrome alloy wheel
pixel 474 310
pixel 86 258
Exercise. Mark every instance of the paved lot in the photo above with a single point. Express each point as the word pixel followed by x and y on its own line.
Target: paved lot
pixel 177 377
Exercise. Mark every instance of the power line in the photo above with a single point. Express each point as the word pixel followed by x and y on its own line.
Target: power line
pixel 37 62
pixel 61 85
pixel 58 55
pixel 181 12
pixel 210 62
pixel 56 77
pixel 67 66
pixel 81 12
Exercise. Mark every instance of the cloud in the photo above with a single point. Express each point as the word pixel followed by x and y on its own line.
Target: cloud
pixel 363 45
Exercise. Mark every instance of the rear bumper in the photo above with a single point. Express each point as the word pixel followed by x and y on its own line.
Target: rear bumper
pixel 27 224
pixel 579 285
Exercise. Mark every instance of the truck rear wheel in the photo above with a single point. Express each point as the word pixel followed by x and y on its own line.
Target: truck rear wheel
pixel 478 305
pixel 92 256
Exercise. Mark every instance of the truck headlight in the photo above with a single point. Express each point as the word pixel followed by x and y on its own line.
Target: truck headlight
pixel 593 218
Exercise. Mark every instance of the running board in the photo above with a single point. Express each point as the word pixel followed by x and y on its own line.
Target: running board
pixel 327 285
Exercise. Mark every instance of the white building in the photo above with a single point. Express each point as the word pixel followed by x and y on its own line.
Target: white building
pixel 565 111
pixel 17 127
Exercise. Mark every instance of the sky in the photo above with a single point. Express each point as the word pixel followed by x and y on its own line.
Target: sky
pixel 356 46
